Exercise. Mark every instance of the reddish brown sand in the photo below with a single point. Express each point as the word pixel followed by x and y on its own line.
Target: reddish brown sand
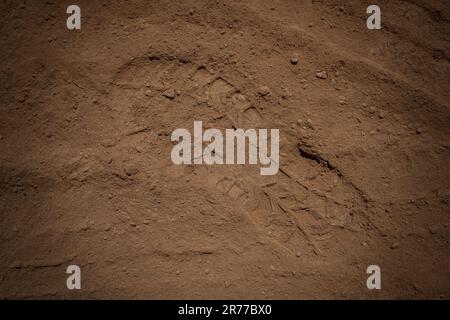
pixel 86 176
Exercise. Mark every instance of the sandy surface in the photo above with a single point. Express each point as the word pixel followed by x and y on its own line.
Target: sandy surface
pixel 86 176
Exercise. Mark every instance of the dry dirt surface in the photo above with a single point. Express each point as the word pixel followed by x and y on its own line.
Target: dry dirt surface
pixel 86 178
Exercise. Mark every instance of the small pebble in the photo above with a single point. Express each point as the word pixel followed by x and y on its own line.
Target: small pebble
pixel 263 91
pixel 169 94
pixel 322 75
pixel 139 149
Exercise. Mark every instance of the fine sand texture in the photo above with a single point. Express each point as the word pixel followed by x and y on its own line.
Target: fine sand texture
pixel 86 176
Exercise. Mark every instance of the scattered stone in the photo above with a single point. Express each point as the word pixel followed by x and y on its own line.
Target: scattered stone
pixel 322 75
pixel 107 227
pixel 108 142
pixel 419 130
pixel 372 110
pixel 395 245
pixel 294 59
pixel 146 222
pixel 263 91
pixel 131 171
pixel 432 229
pixel 298 254
pixel 22 98
pixel 177 272
pixel 227 284
pixel 95 101
pixel 170 94
pixel 132 224
pixel 139 149
pixel 148 93
pixel 207 271
pixel 381 115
